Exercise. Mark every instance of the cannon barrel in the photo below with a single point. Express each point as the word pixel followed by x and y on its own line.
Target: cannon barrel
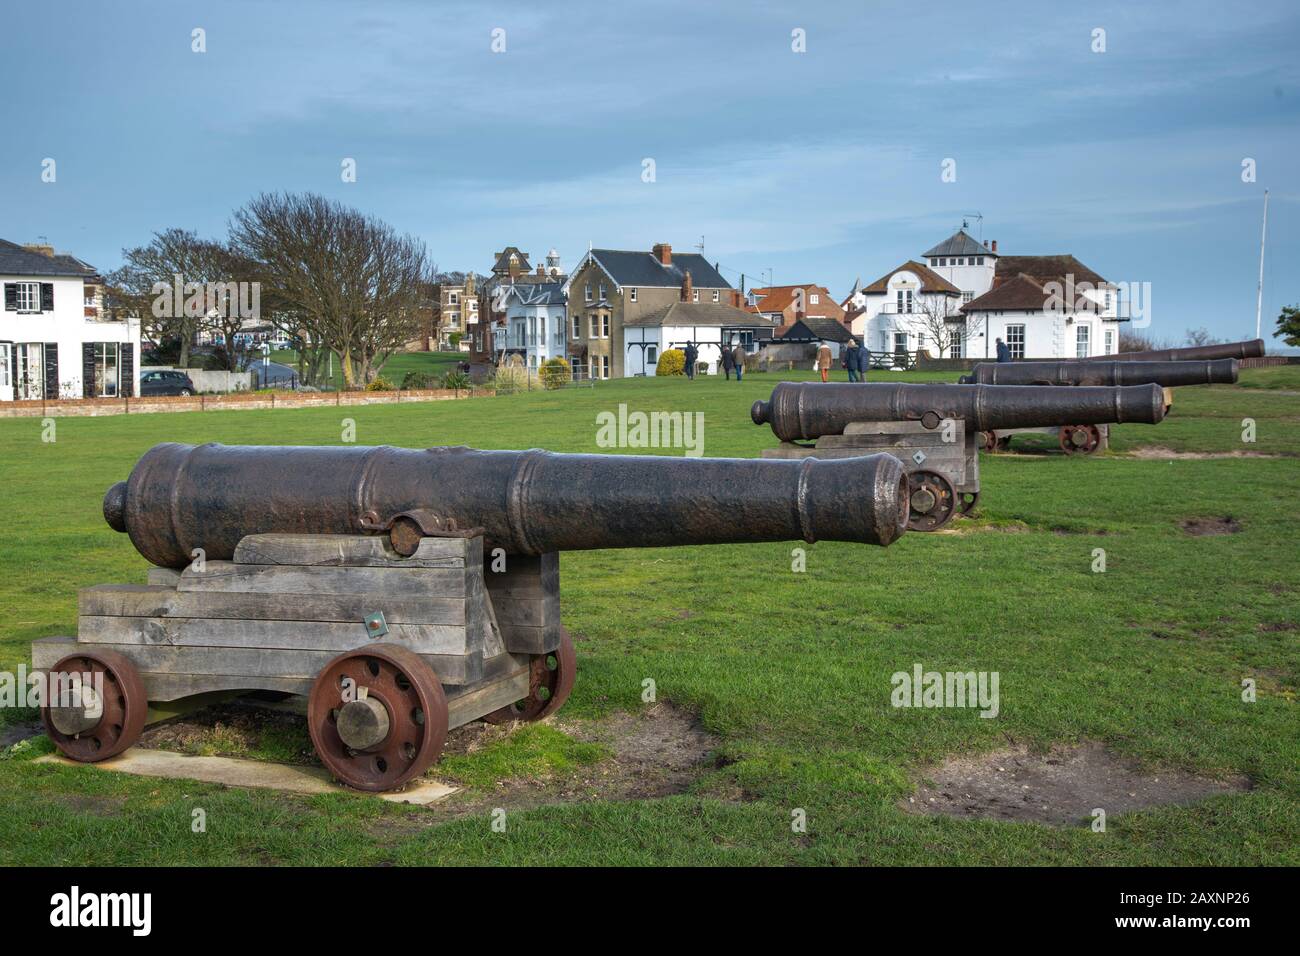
pixel 1253 348
pixel 182 497
pixel 808 410
pixel 1166 374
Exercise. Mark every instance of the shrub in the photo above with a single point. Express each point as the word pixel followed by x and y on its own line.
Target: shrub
pixel 417 379
pixel 456 379
pixel 454 340
pixel 379 384
pixel 672 362
pixel 555 373
pixel 509 379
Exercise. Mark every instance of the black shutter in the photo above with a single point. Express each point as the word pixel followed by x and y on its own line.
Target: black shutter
pixel 47 296
pixel 11 297
pixel 88 369
pixel 126 371
pixel 51 369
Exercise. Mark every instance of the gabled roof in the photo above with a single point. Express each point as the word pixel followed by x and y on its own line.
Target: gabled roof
pixel 778 298
pixel 702 313
pixel 17 261
pixel 959 244
pixel 814 327
pixel 1021 293
pixel 538 293
pixel 643 269
pixel 1046 269
pixel 931 281
pixel 503 260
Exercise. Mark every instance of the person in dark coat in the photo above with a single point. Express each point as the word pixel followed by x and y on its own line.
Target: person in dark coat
pixel 1004 351
pixel 864 362
pixel 692 353
pixel 851 359
pixel 728 363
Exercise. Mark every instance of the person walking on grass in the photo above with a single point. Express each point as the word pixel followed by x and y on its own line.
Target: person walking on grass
pixel 692 353
pixel 864 362
pixel 850 360
pixel 1004 351
pixel 738 359
pixel 823 363
pixel 728 362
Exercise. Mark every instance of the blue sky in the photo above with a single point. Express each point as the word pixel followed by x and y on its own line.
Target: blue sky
pixel 822 166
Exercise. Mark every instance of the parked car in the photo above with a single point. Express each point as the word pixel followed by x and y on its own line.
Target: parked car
pixel 166 383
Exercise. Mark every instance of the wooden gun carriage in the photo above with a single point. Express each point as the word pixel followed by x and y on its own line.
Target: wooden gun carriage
pixel 324 572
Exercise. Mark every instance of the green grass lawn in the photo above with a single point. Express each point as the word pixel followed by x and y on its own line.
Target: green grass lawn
pixel 791 671
pixel 435 364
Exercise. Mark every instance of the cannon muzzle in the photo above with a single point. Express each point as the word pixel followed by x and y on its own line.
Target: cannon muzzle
pixel 1196 353
pixel 179 498
pixel 1165 374
pixel 809 410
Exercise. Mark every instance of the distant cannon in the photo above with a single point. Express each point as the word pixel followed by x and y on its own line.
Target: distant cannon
pixel 1252 348
pixel 402 591
pixel 1081 438
pixel 932 427
pixel 1167 374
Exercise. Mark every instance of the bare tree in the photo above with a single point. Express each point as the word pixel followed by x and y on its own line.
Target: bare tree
pixel 1201 336
pixel 342 282
pixel 942 321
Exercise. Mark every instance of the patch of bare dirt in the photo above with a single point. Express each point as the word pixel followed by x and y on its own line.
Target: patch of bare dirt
pixel 1160 453
pixel 231 729
pixel 1274 627
pixel 11 734
pixel 1059 788
pixel 1207 526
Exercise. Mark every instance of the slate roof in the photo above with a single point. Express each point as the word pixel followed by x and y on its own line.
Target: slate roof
pixel 503 260
pixel 629 268
pixel 814 327
pixel 959 244
pixel 702 313
pixel 931 281
pixel 17 261
pixel 539 293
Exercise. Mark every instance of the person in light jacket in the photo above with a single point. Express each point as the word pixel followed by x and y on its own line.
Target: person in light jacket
pixel 823 363
pixel 738 359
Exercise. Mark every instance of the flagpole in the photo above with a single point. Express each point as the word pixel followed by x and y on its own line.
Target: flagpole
pixel 1259 292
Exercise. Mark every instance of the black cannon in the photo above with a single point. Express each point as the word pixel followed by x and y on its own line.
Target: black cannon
pixel 1080 372
pixel 932 427
pixel 402 592
pixel 1252 348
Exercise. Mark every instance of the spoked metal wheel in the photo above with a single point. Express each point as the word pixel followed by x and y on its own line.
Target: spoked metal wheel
pixel 377 716
pixel 98 705
pixel 931 501
pixel 1080 439
pixel 550 681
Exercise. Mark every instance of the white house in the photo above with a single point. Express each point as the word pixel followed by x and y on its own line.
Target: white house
pixel 710 325
pixel 1041 306
pixel 533 325
pixel 55 341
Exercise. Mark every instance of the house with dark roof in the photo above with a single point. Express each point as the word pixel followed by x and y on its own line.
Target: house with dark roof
pixel 487 328
pixel 909 308
pixel 1051 307
pixel 531 324
pixel 56 338
pixel 611 289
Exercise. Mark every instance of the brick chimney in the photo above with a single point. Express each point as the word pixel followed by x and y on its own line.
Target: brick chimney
pixel 663 252
pixel 47 251
pixel 687 295
pixel 995 247
pixel 541 269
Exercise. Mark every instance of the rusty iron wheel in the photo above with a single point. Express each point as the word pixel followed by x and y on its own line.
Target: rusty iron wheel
pixel 550 681
pixel 931 501
pixel 119 721
pixel 968 501
pixel 1080 439
pixel 395 729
